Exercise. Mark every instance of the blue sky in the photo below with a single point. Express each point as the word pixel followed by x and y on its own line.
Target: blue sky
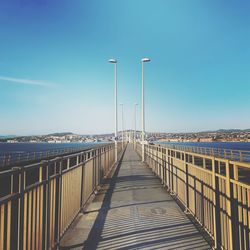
pixel 54 74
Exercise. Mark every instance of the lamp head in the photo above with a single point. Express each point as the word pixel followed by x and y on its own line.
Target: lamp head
pixel 145 59
pixel 112 60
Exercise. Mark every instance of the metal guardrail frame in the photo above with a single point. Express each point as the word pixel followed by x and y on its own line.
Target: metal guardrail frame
pixel 231 154
pixel 210 189
pixel 39 201
pixel 12 158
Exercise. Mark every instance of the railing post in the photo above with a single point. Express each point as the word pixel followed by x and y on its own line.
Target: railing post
pixel 77 159
pixel 143 152
pixel 228 205
pixel 82 180
pixel 15 188
pixel 204 162
pixel 18 236
pixel 171 172
pixel 94 170
pixel 68 163
pixel 168 159
pixel 47 208
pixel 216 210
pixel 99 165
pixel 235 208
pixel 21 209
pixel 157 162
pixel 241 158
pixel 58 204
pixel 187 184
pixel 162 164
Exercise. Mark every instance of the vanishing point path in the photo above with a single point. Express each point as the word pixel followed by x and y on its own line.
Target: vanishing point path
pixel 132 210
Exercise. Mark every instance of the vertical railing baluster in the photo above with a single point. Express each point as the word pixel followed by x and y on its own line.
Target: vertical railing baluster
pixel 241 156
pixel 21 209
pixel 228 206
pixel 59 203
pixel 82 180
pixel 15 205
pixel 187 184
pixel 47 208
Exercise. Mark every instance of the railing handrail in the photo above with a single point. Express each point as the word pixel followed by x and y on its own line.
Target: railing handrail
pixel 10 158
pixel 232 154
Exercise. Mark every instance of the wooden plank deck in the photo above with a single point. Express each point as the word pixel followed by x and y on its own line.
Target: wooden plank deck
pixel 133 211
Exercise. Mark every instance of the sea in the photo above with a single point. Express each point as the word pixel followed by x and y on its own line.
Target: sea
pixel 39 147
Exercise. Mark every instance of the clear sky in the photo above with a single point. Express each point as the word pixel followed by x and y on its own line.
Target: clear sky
pixel 54 74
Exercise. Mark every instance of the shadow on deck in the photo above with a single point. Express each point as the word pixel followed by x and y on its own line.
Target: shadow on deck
pixel 133 211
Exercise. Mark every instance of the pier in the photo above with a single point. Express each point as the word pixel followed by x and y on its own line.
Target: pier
pixel 124 125
pixel 177 198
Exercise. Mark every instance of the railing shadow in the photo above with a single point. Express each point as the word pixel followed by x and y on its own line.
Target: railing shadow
pixel 95 234
pixel 96 230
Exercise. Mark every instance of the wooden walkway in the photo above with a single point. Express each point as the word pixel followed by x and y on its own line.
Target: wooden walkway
pixel 133 211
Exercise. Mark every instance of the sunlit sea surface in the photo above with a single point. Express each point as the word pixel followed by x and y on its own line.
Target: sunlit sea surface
pixel 38 147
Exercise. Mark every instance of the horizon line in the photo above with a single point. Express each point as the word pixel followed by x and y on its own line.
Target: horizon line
pixel 106 133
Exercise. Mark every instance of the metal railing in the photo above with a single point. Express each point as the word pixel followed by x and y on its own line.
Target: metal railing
pixel 38 202
pixel 238 155
pixel 12 158
pixel 214 190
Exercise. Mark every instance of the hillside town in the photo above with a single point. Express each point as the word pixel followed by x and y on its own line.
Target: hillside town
pixel 58 138
pixel 210 136
pixel 128 135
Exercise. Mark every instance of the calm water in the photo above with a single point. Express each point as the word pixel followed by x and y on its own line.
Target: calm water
pixel 225 145
pixel 37 147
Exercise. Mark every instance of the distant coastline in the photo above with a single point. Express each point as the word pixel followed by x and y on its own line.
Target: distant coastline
pixel 221 135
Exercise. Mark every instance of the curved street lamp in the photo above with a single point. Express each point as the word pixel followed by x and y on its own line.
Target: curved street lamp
pixel 143 60
pixel 114 61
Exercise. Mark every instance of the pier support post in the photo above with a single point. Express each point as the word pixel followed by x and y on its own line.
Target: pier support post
pixel 143 153
pixel 116 151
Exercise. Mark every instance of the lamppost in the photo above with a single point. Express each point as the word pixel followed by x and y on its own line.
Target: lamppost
pixel 114 61
pixel 136 104
pixel 143 60
pixel 122 126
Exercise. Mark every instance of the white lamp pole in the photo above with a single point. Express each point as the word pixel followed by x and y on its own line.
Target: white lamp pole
pixel 122 126
pixel 136 104
pixel 114 61
pixel 143 108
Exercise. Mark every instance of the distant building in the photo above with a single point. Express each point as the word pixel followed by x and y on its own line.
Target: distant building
pixel 11 141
